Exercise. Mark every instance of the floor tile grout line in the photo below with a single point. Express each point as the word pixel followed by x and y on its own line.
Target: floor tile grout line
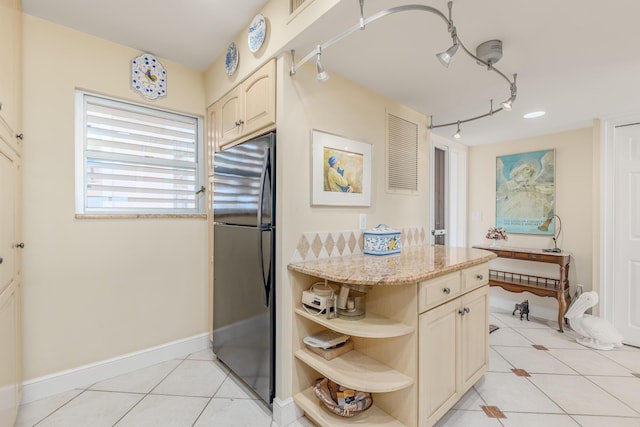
pixel 149 392
pixel 60 407
pixel 612 395
pixel 204 408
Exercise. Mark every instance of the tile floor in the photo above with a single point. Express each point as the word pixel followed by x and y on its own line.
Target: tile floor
pixel 567 386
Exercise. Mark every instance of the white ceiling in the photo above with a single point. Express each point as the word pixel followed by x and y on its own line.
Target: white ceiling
pixel 576 59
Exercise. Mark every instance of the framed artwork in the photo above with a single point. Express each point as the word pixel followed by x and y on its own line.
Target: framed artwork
pixel 525 192
pixel 340 170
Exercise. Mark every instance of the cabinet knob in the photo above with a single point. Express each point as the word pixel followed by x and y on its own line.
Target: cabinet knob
pixel 20 245
pixel 1 260
pixel 446 291
pixel 480 277
pixel 463 311
pixel 1 105
pixel 239 122
pixel 20 136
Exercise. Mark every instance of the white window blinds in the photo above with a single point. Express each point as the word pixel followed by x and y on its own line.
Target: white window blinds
pixel 133 159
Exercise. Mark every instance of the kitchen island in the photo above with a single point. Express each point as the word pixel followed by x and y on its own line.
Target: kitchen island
pixel 421 345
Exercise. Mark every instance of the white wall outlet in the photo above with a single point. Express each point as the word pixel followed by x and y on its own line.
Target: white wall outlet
pixel 363 221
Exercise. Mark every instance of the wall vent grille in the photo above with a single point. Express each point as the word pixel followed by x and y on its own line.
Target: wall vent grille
pixel 295 4
pixel 402 154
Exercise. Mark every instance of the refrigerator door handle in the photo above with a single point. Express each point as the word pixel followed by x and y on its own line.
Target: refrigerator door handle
pixel 266 279
pixel 266 171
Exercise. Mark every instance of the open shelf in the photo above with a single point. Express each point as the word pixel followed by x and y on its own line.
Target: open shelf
pixel 316 411
pixel 357 371
pixel 371 326
pixel 510 278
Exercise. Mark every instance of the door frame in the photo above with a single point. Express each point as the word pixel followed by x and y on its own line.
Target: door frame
pixel 456 170
pixel 607 179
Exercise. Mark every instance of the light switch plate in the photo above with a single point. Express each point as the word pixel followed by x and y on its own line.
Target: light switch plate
pixel 363 221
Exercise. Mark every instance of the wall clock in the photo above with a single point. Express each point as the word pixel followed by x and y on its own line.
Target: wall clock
pixel 148 76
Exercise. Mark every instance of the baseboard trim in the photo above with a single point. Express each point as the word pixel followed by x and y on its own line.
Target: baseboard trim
pixel 82 376
pixel 285 411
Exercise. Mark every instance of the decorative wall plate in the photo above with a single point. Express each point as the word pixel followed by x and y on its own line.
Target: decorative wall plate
pixel 231 60
pixel 148 76
pixel 257 33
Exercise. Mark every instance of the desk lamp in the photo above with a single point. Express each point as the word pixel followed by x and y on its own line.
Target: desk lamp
pixel 545 227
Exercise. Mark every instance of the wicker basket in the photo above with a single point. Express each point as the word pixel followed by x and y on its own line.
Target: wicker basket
pixel 332 395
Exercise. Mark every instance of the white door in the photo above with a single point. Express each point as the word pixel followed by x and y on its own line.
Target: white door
pixel 626 233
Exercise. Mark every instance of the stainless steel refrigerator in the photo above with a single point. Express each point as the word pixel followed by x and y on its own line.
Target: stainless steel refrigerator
pixel 244 262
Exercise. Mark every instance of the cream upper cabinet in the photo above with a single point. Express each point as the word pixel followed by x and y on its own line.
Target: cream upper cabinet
pixel 11 69
pixel 259 95
pixel 229 117
pixel 248 110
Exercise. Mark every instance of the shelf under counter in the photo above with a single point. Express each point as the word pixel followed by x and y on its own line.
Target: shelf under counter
pixel 315 410
pixel 371 326
pixel 357 371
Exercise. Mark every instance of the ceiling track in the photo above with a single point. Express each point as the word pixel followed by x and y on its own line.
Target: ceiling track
pixel 406 8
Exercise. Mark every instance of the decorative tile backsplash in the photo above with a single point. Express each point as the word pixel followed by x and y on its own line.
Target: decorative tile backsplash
pixel 317 245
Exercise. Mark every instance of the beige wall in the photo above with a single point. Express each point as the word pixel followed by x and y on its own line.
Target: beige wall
pixel 576 200
pixel 281 29
pixel 340 107
pixel 95 289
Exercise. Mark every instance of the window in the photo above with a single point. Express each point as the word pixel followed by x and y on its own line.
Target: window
pixel 133 159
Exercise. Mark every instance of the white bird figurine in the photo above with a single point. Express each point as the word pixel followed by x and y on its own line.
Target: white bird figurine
pixel 595 332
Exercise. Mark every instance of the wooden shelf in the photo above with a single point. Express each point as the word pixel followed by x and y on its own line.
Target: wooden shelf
pixel 527 280
pixel 357 371
pixel 371 326
pixel 316 411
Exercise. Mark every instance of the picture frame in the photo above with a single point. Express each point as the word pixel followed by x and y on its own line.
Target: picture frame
pixel 525 192
pixel 340 170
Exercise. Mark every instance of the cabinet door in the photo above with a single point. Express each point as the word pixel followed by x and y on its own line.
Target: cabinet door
pixel 438 364
pixel 9 367
pixel 259 93
pixel 213 140
pixel 10 66
pixel 474 333
pixel 228 117
pixel 9 170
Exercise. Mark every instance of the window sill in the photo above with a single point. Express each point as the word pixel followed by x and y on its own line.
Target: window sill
pixel 141 216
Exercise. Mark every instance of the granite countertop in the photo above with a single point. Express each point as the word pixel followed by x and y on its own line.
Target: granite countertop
pixel 412 265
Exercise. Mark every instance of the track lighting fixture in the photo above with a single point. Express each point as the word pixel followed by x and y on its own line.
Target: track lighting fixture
pixel 487 54
pixel 457 135
pixel 321 74
pixel 508 103
pixel 445 57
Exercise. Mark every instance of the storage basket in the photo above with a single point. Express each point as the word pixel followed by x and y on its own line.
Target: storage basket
pixel 341 400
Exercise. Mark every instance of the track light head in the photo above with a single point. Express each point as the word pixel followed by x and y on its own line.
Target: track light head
pixel 321 74
pixel 445 57
pixel 508 104
pixel 457 135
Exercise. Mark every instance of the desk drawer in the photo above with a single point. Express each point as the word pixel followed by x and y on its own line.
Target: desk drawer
pixel 473 277
pixel 438 290
pixel 536 257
